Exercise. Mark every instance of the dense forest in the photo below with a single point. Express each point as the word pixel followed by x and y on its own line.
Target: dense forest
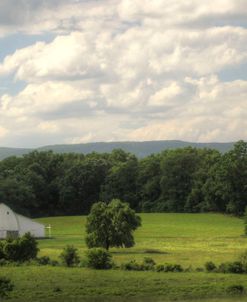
pixel 179 180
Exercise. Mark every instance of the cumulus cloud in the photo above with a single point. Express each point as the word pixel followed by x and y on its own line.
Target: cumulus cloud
pixel 129 69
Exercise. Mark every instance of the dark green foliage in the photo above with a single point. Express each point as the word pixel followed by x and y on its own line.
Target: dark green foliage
pixel 235 267
pixel 237 289
pixel 99 258
pixel 178 180
pixel 111 225
pixel 160 268
pixel 148 263
pixel 69 256
pixel 2 255
pixel 6 286
pixel 121 181
pixel 243 260
pixel 176 268
pixel 132 266
pixel 210 266
pixel 20 249
pixel 45 260
pixel 245 221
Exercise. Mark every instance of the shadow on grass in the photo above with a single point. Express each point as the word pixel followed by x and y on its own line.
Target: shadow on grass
pixel 146 251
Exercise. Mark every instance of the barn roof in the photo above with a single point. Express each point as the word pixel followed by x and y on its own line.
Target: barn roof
pixel 8 219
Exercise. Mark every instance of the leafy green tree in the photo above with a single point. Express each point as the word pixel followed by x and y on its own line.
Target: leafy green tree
pixel 80 187
pixel 177 170
pixel 148 181
pixel 110 225
pixel 197 200
pixel 226 188
pixel 121 180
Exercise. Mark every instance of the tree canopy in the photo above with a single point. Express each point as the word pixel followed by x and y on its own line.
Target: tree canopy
pixel 111 225
pixel 177 180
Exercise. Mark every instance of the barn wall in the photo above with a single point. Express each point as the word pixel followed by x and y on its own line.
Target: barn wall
pixel 2 234
pixel 27 225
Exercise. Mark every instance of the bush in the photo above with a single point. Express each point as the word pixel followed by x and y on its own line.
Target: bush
pixel 148 264
pixel 235 267
pixel 243 260
pixel 69 256
pixel 210 266
pixel 235 289
pixel 20 249
pixel 160 268
pixel 2 256
pixel 132 266
pixel 99 258
pixel 176 268
pixel 6 286
pixel 45 260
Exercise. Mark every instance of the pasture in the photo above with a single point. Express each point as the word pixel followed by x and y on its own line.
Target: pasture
pixel 187 239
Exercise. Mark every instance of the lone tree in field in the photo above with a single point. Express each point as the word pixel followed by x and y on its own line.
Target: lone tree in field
pixel 111 225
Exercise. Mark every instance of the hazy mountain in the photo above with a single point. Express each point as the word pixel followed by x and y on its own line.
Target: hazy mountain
pixel 140 149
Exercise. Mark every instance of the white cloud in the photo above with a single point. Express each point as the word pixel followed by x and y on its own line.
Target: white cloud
pixel 3 131
pixel 147 69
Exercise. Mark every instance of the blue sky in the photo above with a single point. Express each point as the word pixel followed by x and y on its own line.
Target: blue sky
pixel 74 71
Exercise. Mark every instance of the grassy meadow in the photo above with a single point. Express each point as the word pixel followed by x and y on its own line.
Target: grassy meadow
pixel 187 239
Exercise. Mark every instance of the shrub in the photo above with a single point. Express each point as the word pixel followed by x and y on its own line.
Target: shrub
pixel 99 258
pixel 160 268
pixel 2 256
pixel 210 266
pixel 28 247
pixel 243 260
pixel 235 267
pixel 148 264
pixel 176 268
pixel 132 266
pixel 6 286
pixel 20 249
pixel 69 256
pixel 235 289
pixel 45 260
pixel 173 268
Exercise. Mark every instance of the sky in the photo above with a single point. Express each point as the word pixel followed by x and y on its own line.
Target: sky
pixel 78 71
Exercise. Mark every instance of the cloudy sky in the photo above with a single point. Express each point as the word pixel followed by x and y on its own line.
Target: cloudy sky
pixel 75 71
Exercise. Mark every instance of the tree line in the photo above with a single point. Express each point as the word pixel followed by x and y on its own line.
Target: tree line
pixel 180 180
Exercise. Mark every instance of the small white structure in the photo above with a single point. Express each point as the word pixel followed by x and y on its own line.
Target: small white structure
pixel 14 225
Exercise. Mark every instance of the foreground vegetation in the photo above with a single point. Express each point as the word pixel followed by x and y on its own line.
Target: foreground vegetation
pixel 75 284
pixel 182 180
pixel 186 239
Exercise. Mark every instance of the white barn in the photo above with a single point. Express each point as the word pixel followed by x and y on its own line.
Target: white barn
pixel 14 225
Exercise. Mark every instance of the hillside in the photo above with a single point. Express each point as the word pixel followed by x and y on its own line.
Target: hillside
pixel 140 149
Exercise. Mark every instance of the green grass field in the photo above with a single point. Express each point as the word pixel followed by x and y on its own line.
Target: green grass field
pixel 187 239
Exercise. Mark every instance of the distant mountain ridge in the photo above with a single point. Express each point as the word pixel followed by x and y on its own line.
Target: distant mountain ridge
pixel 140 149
